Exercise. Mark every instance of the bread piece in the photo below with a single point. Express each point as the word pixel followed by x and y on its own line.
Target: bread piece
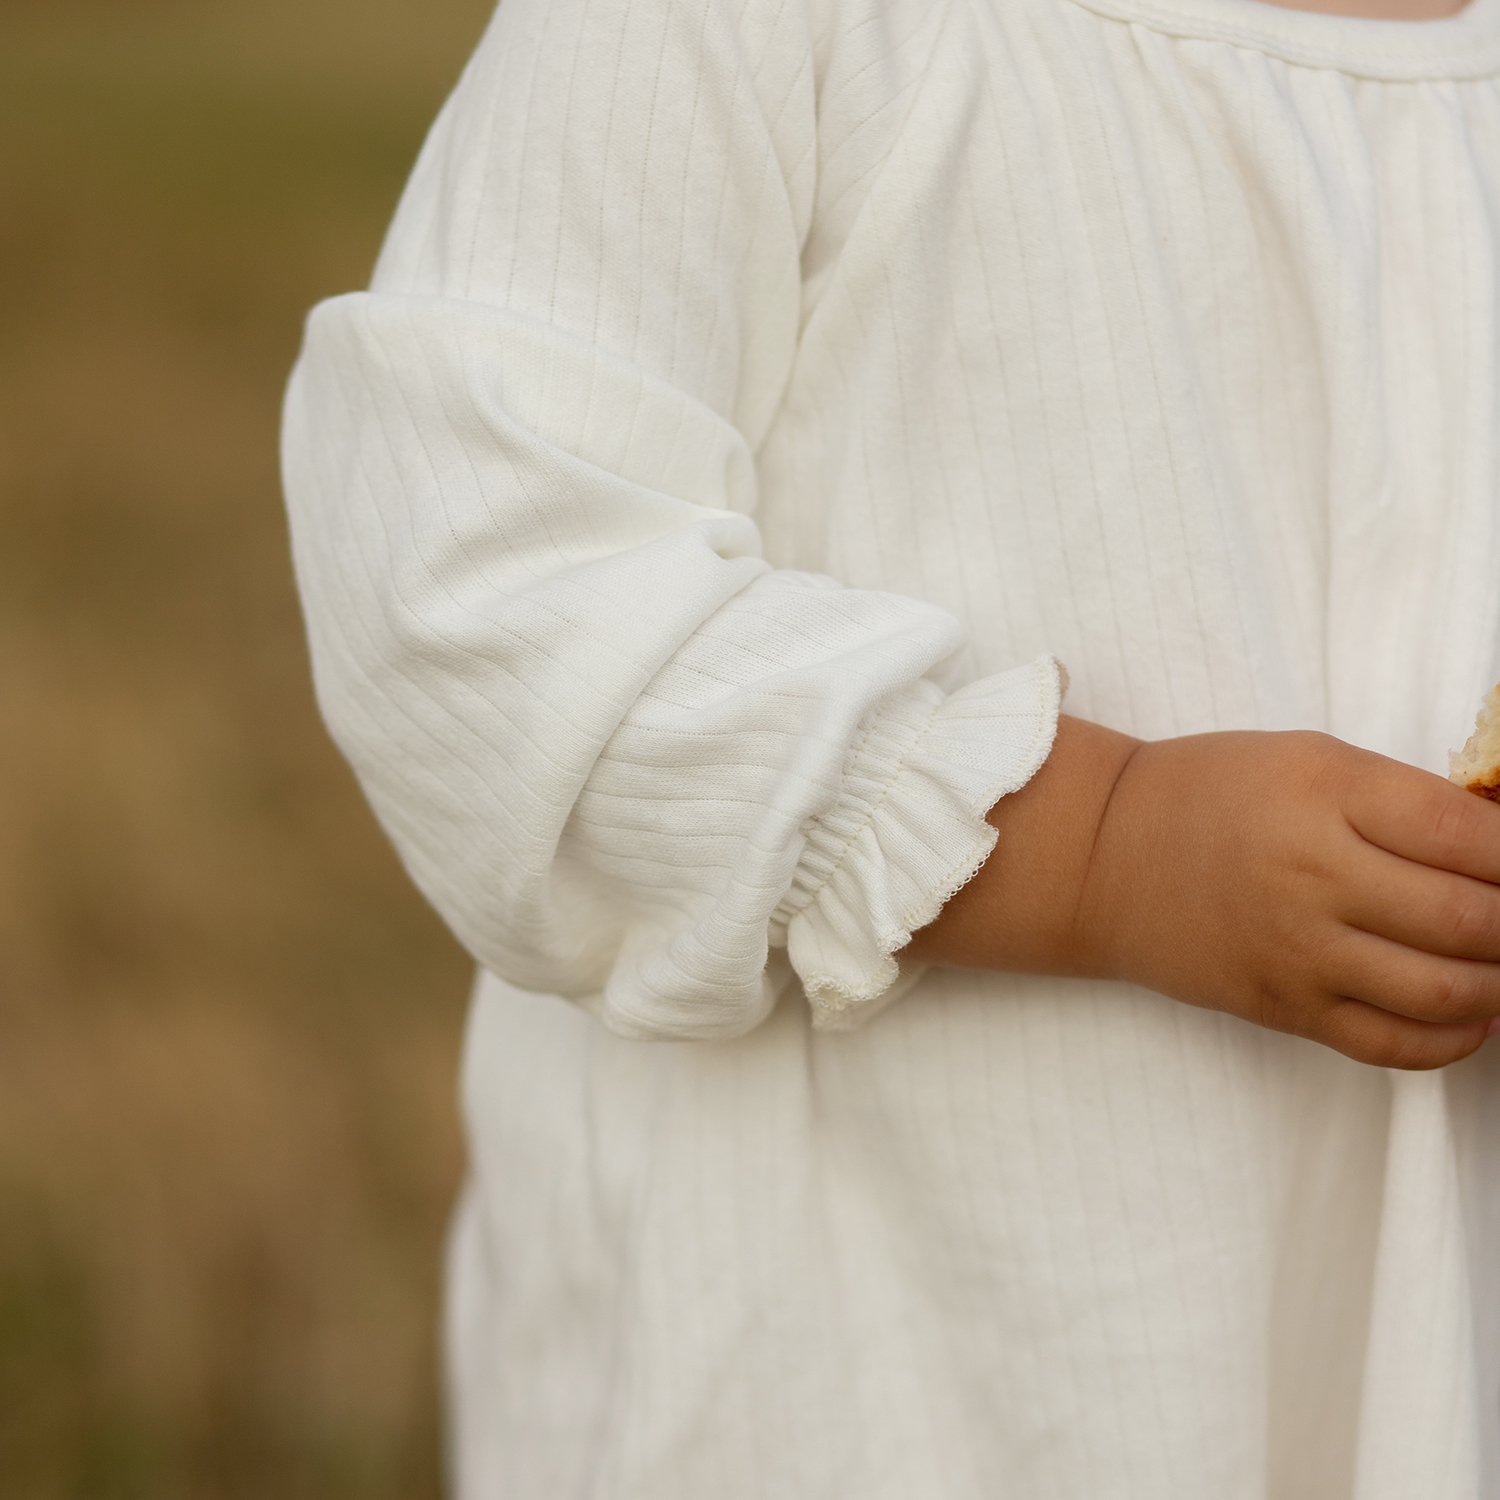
pixel 1476 767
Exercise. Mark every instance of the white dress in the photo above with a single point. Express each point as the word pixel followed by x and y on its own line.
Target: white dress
pixel 754 398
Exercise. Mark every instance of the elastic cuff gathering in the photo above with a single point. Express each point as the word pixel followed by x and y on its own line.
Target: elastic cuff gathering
pixel 908 830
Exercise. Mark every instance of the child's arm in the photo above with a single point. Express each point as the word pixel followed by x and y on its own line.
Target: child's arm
pixel 1289 879
pixel 625 755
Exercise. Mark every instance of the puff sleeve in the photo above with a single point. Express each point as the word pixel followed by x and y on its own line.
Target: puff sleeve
pixel 624 756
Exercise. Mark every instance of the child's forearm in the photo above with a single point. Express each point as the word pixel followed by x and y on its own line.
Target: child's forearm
pixel 1024 912
pixel 1289 879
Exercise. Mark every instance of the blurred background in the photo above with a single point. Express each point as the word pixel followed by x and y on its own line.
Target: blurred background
pixel 228 1028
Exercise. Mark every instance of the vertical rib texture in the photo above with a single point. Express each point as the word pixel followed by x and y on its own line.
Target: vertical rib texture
pixel 754 400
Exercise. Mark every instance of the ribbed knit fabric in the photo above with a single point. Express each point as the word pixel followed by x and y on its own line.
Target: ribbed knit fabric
pixel 755 399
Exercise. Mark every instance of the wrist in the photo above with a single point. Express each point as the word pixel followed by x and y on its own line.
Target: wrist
pixel 1033 907
pixel 1115 868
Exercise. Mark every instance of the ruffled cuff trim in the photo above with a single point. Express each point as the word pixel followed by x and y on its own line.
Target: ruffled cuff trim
pixel 908 830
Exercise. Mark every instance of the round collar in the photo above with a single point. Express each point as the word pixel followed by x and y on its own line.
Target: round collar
pixel 1466 45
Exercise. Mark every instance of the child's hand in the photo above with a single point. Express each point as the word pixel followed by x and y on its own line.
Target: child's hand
pixel 1289 879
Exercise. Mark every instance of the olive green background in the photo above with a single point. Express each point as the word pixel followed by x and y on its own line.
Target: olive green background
pixel 228 1027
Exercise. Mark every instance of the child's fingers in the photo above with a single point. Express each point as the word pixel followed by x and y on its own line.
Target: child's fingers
pixel 1421 907
pixel 1424 818
pixel 1425 987
pixel 1374 1036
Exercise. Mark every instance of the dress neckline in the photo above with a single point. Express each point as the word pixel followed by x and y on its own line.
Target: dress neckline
pixel 1465 45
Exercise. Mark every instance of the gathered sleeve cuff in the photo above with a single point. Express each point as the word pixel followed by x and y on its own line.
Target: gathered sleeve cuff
pixel 907 830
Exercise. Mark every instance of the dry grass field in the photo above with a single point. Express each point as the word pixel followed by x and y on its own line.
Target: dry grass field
pixel 227 1026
